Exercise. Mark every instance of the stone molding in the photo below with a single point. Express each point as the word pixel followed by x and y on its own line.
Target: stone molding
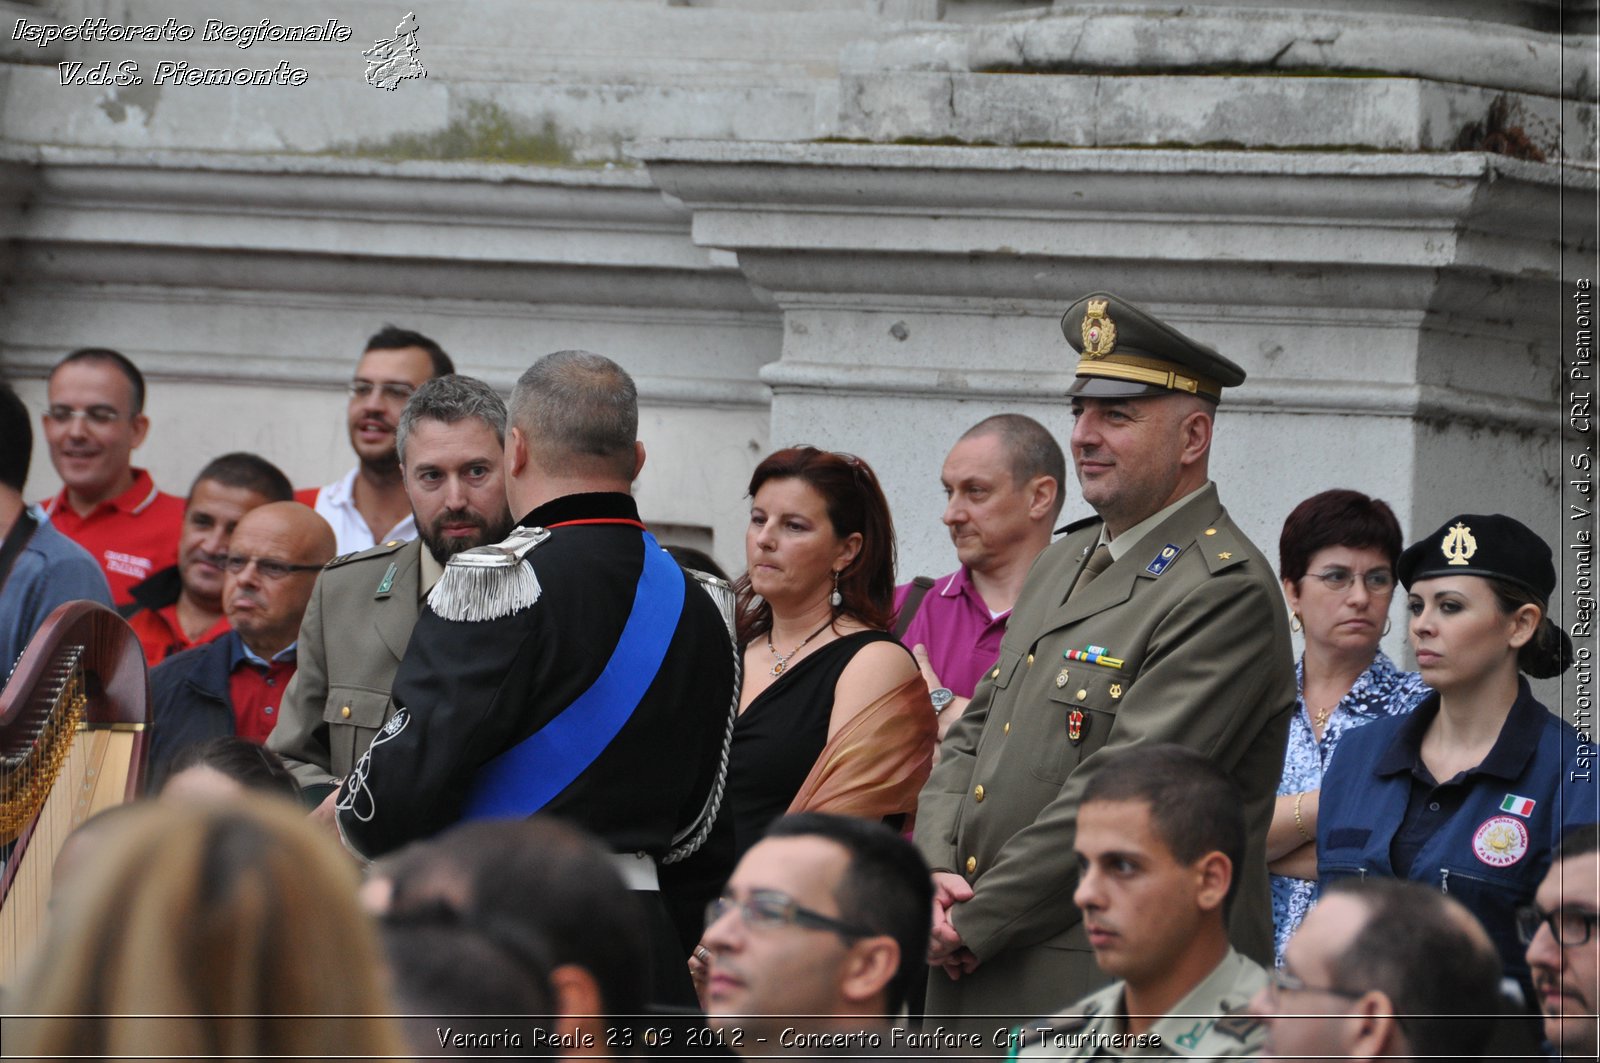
pixel 199 233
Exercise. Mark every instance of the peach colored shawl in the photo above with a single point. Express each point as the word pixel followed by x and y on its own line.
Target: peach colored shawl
pixel 876 765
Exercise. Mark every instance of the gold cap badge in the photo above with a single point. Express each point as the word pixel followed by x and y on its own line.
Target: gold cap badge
pixel 1099 331
pixel 1459 545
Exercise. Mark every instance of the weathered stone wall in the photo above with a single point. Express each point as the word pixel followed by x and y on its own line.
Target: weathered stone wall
pixel 1369 205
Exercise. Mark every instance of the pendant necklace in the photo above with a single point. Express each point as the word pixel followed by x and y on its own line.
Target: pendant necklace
pixel 783 658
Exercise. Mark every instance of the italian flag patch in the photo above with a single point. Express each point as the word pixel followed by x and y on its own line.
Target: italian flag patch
pixel 1520 806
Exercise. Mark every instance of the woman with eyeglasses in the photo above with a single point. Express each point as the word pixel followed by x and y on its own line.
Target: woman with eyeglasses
pixel 1336 558
pixel 1471 792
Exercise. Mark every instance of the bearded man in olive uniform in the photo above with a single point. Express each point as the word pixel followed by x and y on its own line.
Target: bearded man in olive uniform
pixel 1155 621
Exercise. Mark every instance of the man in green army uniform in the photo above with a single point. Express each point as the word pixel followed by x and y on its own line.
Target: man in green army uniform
pixel 451 444
pixel 1160 831
pixel 1157 621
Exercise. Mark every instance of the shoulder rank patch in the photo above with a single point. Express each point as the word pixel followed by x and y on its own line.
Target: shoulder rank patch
pixel 489 582
pixel 1239 1026
pixel 1162 560
pixel 1068 529
pixel 380 550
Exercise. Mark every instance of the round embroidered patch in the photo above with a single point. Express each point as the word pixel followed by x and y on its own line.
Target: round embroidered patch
pixel 1501 841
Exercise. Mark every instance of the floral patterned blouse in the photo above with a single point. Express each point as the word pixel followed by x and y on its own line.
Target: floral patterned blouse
pixel 1382 690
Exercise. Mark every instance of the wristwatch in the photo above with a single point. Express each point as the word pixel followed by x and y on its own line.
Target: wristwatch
pixel 941 699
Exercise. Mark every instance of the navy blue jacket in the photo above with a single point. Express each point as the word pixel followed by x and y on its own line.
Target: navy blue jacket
pixel 1493 852
pixel 189 701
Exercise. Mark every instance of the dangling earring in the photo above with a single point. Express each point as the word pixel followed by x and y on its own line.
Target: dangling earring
pixel 1295 624
pixel 1388 624
pixel 836 599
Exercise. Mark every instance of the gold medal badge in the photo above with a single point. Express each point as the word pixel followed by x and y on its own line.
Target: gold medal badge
pixel 1099 331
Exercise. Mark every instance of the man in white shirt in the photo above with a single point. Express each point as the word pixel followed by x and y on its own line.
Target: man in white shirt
pixel 368 505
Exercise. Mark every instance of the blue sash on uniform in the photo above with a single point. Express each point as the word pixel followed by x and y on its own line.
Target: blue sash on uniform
pixel 523 779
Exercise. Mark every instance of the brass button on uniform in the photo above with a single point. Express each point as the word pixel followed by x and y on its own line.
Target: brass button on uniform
pixel 1008 728
pixel 1030 660
pixel 1082 694
pixel 972 864
pixel 345 712
pixel 978 793
pixel 1211 531
pixel 995 674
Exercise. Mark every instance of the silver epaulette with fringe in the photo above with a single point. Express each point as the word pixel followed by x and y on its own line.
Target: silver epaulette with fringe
pixel 489 582
pixel 686 842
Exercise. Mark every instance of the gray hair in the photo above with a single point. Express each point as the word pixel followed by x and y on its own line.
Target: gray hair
pixel 1030 449
pixel 578 408
pixel 451 399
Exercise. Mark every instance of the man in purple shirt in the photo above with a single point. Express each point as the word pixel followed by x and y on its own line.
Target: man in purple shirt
pixel 1003 481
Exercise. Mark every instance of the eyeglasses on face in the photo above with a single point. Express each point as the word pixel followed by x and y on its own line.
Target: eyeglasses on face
pixel 1338 578
pixel 1571 926
pixel 360 389
pixel 268 568
pixel 96 415
pixel 1280 982
pixel 770 910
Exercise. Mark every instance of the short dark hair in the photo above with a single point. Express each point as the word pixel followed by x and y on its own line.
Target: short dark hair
pixel 1581 840
pixel 1340 517
pixel 578 407
pixel 855 503
pixel 1443 980
pixel 445 965
pixel 1032 450
pixel 250 472
pixel 118 361
pixel 1195 806
pixel 252 765
pixel 16 439
pixel 451 399
pixel 547 875
pixel 886 887
pixel 390 338
pixel 698 560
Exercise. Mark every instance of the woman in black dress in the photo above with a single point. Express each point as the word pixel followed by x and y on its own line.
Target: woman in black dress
pixel 833 714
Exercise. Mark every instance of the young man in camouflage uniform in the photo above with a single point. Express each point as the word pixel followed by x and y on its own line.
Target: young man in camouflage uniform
pixel 1160 831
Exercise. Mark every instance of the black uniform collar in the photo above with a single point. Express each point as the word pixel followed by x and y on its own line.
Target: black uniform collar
pixel 1519 738
pixel 159 590
pixel 588 506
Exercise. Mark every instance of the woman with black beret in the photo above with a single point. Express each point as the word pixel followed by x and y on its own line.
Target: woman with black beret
pixel 1470 792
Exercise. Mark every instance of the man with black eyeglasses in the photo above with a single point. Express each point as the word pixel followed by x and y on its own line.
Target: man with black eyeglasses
pixel 233 685
pixel 368 505
pixel 1383 969
pixel 1563 950
pixel 94 422
pixel 812 945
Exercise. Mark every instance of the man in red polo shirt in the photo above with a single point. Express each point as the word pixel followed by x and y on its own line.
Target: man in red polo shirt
pixel 233 685
pixel 181 606
pixel 94 421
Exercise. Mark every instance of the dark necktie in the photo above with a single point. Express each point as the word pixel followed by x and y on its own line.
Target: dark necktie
pixel 1099 561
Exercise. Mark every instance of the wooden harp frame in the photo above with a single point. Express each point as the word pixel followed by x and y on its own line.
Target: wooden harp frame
pixel 74 738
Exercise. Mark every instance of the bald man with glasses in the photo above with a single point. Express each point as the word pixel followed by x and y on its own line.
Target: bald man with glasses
pixel 233 685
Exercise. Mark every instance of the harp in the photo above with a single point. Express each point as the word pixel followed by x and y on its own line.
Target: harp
pixel 72 742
